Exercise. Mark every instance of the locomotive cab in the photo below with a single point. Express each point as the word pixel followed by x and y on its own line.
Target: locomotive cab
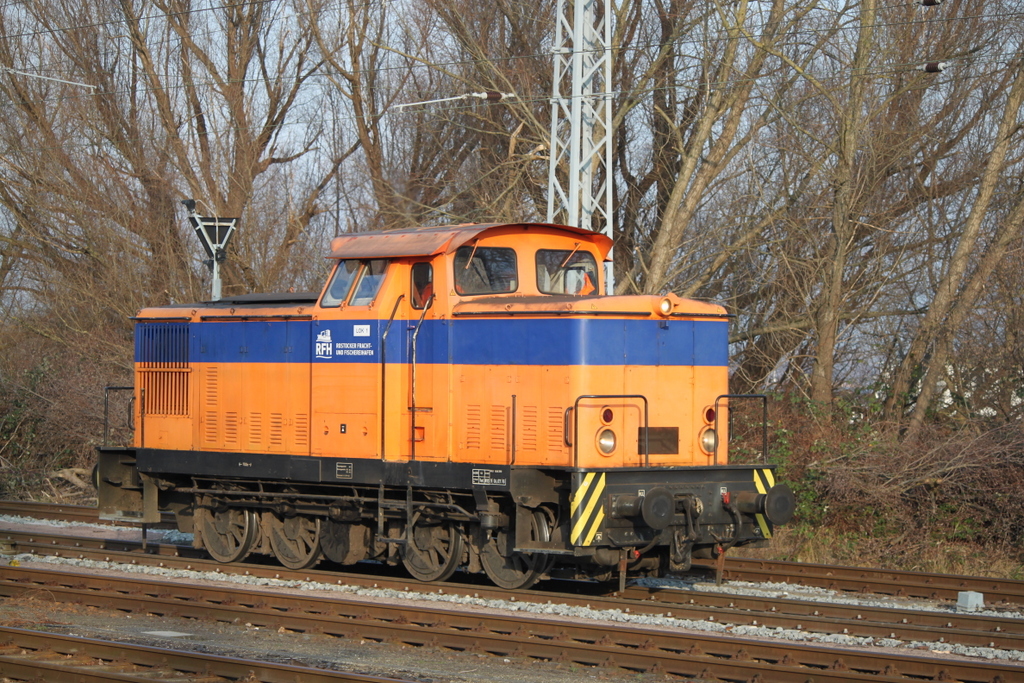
pixel 454 397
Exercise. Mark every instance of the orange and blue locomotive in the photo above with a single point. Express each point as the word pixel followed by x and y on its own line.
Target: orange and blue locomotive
pixel 455 397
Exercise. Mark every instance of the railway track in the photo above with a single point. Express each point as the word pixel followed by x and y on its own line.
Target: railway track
pixel 896 583
pixel 773 613
pixel 817 617
pixel 630 648
pixel 27 655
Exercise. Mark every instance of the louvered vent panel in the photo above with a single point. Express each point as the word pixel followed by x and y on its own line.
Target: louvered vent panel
pixel 556 429
pixel 529 438
pixel 231 429
pixel 210 395
pixel 498 428
pixel 473 427
pixel 302 430
pixel 276 429
pixel 211 427
pixel 255 429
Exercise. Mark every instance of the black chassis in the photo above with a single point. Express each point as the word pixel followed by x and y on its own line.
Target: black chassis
pixel 640 509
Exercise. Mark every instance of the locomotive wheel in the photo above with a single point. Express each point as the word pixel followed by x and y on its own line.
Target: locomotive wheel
pixel 228 534
pixel 433 550
pixel 344 542
pixel 295 540
pixel 518 570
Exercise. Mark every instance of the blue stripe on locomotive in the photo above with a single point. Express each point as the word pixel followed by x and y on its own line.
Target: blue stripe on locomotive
pixel 562 341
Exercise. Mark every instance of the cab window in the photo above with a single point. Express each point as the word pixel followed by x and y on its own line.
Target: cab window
pixel 355 281
pixel 485 270
pixel 566 271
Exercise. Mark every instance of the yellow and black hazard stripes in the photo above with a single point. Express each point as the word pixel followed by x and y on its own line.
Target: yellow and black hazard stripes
pixel 763 480
pixel 588 508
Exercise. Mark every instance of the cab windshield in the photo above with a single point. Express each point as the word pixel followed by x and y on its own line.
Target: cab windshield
pixel 355 282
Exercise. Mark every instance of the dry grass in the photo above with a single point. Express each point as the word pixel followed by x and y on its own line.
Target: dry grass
pixel 826 546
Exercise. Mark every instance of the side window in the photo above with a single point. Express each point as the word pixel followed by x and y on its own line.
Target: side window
pixel 564 271
pixel 485 270
pixel 341 283
pixel 369 282
pixel 422 284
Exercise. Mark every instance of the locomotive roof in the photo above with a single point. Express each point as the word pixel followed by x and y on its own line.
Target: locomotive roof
pixel 434 240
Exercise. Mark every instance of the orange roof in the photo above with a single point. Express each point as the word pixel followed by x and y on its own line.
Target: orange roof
pixel 434 240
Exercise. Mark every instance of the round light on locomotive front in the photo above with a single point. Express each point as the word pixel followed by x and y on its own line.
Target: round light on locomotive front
pixel 607 416
pixel 708 440
pixel 709 415
pixel 606 441
pixel 665 306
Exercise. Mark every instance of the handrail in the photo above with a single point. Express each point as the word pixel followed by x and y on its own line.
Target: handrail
pixel 576 425
pixel 412 408
pixel 764 421
pixel 106 411
pixel 384 370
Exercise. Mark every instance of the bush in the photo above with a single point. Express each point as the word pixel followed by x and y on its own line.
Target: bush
pixel 946 501
pixel 51 412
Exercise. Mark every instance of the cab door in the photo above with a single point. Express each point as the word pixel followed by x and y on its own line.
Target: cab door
pixel 425 373
pixel 345 384
pixel 346 363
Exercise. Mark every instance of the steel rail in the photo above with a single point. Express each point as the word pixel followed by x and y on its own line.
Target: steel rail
pixel 70 513
pixel 37 655
pixel 591 644
pixel 852 579
pixel 867 580
pixel 787 613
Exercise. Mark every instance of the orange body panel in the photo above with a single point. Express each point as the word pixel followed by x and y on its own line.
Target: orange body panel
pixel 676 397
pixel 293 379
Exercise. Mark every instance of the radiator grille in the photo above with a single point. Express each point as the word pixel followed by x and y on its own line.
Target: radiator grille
pixel 163 368
pixel 165 390
pixel 160 345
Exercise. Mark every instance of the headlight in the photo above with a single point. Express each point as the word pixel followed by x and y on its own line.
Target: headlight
pixel 606 441
pixel 708 440
pixel 665 306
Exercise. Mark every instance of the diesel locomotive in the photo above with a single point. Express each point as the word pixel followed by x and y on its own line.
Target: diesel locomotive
pixel 457 397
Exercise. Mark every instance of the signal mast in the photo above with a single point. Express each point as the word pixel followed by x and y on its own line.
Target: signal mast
pixel 580 166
